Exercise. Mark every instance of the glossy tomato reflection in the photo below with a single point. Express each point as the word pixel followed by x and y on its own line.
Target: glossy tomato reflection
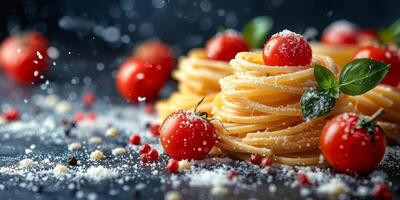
pixel 138 80
pixel 23 57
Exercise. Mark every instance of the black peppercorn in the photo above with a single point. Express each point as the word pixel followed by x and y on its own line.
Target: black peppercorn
pixel 72 161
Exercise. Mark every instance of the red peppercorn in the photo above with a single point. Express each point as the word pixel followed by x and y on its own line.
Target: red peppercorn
pixel 149 108
pixel 145 149
pixel 153 155
pixel 135 139
pixel 79 116
pixel 11 114
pixel 266 162
pixel 144 158
pixel 303 179
pixel 382 191
pixel 233 175
pixel 88 99
pixel 155 130
pixel 255 158
pixel 173 166
pixel 64 122
pixel 91 116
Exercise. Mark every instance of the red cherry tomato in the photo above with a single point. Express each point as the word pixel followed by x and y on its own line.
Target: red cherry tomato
pixel 24 58
pixel 287 49
pixel 156 53
pixel 349 148
pixel 384 55
pixel 138 80
pixel 185 135
pixel 367 35
pixel 340 32
pixel 225 46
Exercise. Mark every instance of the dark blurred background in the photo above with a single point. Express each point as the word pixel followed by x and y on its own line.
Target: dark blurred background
pixel 93 37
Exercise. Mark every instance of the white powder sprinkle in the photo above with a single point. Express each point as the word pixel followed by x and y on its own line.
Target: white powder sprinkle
pixel 99 173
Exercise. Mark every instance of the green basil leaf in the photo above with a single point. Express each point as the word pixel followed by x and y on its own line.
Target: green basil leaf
pixel 256 30
pixel 395 27
pixel 390 34
pixel 316 102
pixel 334 92
pixel 386 35
pixel 361 75
pixel 324 77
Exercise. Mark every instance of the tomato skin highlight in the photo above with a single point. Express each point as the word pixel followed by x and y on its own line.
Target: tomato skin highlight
pixel 225 46
pixel 384 55
pixel 23 57
pixel 348 148
pixel 185 135
pixel 156 53
pixel 137 80
pixel 367 35
pixel 287 49
pixel 340 33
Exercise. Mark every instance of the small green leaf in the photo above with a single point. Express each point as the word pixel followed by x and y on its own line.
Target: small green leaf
pixel 390 34
pixel 334 92
pixel 396 27
pixel 386 35
pixel 316 102
pixel 324 77
pixel 256 30
pixel 361 75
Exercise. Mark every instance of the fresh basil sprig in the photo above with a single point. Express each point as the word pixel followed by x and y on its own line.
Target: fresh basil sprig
pixel 390 34
pixel 357 77
pixel 256 30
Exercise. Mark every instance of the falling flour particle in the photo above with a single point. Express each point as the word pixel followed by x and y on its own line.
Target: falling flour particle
pixel 74 146
pixel 99 173
pixel 60 169
pixel 96 155
pixel 118 151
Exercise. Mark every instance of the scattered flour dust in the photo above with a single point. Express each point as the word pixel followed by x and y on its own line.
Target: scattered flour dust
pixel 206 177
pixel 99 173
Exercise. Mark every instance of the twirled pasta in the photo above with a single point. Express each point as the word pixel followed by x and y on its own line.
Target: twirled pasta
pixel 341 54
pixel 385 97
pixel 259 107
pixel 197 77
